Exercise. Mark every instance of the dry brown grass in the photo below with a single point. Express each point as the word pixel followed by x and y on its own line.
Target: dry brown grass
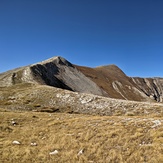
pixel 101 138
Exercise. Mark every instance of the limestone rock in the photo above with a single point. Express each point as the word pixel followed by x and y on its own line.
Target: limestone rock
pixel 54 152
pixel 80 152
pixel 34 144
pixel 16 142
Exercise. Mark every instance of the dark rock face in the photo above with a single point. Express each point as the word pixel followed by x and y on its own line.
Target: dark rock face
pixel 109 81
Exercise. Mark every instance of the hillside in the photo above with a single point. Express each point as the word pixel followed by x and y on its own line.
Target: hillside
pixel 34 97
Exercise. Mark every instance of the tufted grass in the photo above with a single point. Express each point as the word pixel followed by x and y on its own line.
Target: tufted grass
pixel 101 138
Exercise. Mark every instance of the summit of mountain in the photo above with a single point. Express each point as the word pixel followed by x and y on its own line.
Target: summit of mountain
pixel 56 60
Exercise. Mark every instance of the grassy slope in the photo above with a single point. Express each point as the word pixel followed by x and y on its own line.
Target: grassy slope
pixel 45 98
pixel 102 138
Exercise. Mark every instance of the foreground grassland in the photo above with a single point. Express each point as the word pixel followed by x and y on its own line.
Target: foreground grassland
pixel 79 138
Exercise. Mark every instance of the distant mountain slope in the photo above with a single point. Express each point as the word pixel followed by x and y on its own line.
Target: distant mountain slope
pixel 117 85
pixel 108 81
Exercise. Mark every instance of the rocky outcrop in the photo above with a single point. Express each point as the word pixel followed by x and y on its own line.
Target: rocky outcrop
pixel 152 87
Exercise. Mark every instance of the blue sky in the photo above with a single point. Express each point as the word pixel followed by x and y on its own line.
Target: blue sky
pixel 127 33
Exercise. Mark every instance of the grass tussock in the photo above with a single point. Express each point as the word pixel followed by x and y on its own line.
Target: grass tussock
pixel 79 138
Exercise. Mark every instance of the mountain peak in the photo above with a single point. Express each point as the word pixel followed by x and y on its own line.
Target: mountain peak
pixel 56 60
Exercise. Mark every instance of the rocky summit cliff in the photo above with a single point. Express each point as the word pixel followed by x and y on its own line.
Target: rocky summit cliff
pixel 108 81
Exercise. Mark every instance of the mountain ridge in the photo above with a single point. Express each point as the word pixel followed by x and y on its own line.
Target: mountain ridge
pixel 107 80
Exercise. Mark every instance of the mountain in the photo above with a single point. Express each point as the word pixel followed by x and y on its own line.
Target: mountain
pixel 56 72
pixel 55 111
pixel 108 81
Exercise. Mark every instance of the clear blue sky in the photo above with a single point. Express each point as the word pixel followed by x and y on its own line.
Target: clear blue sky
pixel 128 33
